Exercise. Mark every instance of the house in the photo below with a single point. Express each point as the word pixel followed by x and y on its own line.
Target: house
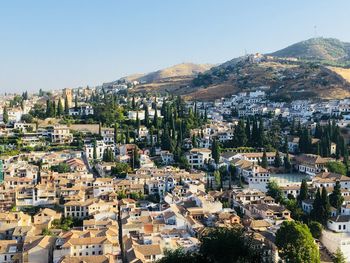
pixel 38 249
pixel 257 177
pixel 339 223
pixel 83 110
pixel 10 251
pixel 44 218
pixel 328 179
pixel 198 157
pixel 60 134
pixel 310 163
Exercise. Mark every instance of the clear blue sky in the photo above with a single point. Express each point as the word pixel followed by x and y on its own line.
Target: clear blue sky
pixel 69 43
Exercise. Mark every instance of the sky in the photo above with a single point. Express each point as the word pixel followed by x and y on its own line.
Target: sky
pixel 47 44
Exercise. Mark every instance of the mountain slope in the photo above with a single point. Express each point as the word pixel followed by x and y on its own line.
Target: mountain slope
pixel 311 69
pixel 327 49
pixel 183 70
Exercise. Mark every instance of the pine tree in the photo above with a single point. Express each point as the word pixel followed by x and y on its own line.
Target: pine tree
pixel 264 162
pixel 335 198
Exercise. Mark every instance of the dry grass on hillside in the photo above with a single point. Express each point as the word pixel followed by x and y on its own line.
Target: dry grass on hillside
pixel 344 72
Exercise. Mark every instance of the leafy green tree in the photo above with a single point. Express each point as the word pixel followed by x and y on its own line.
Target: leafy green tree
pixel 27 118
pixel 108 155
pixel 274 191
pixel 335 198
pixel 337 167
pixel 339 257
pixel 228 245
pixel 179 255
pixel 296 244
pixel 61 168
pixel 315 229
pixel 120 169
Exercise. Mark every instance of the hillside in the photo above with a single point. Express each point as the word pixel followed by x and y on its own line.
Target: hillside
pixel 288 80
pixel 322 49
pixel 182 70
pixel 314 69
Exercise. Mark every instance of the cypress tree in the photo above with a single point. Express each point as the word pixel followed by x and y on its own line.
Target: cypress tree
pixel 239 135
pixel 59 107
pixel 326 205
pixel 115 133
pixel 304 192
pixel 277 162
pixel 76 102
pixel 215 151
pixel 146 115
pixel 248 132
pixel 5 115
pixel 194 141
pixel 66 105
pixel 127 135
pixel 335 198
pixel 255 133
pixel 94 153
pixel 155 119
pixel 261 134
pixel 317 212
pixel 264 162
